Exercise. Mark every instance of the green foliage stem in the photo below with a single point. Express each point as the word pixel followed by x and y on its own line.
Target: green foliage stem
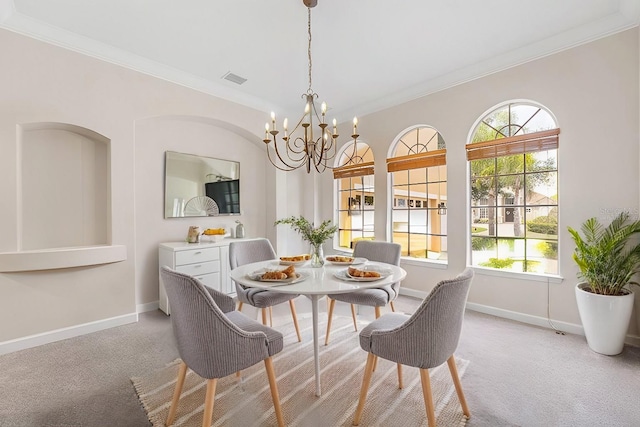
pixel 315 236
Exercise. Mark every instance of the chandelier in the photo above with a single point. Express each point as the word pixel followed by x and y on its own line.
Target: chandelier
pixel 302 146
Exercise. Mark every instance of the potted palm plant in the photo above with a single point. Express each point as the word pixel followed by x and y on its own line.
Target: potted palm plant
pixel 607 259
pixel 315 236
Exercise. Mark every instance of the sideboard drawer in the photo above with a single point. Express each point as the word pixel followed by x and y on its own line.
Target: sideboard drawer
pixel 210 280
pixel 199 268
pixel 197 255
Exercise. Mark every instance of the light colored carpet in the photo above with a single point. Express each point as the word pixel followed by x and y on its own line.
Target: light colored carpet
pixel 248 402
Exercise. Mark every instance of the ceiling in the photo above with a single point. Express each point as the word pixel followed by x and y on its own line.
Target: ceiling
pixel 367 55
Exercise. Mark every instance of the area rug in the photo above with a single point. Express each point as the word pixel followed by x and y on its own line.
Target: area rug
pixel 247 401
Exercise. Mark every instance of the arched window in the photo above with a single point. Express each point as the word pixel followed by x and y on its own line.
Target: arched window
pixel 418 173
pixel 355 194
pixel 513 160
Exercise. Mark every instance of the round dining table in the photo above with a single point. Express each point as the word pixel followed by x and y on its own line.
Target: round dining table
pixel 314 283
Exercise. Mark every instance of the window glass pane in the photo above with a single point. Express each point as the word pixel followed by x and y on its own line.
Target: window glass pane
pixel 542 188
pixel 418 221
pixel 542 222
pixel 545 253
pixel 483 249
pixel 510 164
pixel 417 175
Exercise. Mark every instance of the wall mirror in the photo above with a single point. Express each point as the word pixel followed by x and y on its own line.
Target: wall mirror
pixel 200 186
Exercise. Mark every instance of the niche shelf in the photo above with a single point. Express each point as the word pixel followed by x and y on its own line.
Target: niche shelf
pixel 50 259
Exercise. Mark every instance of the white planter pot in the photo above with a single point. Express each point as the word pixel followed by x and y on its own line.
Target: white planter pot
pixel 605 319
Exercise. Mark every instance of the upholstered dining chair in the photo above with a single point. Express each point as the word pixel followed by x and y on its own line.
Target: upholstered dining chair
pixel 376 297
pixel 246 252
pixel 424 340
pixel 214 340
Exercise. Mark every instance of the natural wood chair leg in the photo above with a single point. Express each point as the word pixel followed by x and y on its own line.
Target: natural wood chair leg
pixel 295 319
pixel 456 381
pixel 375 362
pixel 368 370
pixel 264 316
pixel 238 374
pixel 271 316
pixel 353 315
pixel 428 397
pixel 239 305
pixel 208 402
pixel 268 365
pixel 330 316
pixel 176 394
pixel 400 385
pixel 393 307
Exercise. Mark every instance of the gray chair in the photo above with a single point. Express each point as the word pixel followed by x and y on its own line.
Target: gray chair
pixel 376 297
pixel 423 340
pixel 214 340
pixel 246 252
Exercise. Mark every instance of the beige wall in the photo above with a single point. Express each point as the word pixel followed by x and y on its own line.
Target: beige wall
pixel 44 83
pixel 594 83
pixel 593 92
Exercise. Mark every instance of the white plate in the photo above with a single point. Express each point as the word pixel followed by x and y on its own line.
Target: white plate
pixel 293 262
pixel 257 276
pixel 355 261
pixel 344 275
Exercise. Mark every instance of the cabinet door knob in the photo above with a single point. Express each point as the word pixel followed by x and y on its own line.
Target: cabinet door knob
pixel 197 253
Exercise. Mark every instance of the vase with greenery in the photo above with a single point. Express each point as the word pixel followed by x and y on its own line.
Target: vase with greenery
pixel 608 258
pixel 316 236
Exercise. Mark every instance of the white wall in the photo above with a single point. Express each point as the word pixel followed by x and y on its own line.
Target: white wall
pixel 44 83
pixel 593 91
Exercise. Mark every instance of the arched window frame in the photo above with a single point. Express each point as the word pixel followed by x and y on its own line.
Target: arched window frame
pixel 435 233
pixel 354 204
pixel 510 145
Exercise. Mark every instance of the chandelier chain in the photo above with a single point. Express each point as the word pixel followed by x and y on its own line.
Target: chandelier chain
pixel 309 48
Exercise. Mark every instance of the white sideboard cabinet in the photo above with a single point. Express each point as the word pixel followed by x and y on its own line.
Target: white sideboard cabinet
pixel 209 262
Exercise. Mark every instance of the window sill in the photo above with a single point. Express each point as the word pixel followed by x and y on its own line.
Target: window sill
pixel 546 278
pixel 442 265
pixel 51 259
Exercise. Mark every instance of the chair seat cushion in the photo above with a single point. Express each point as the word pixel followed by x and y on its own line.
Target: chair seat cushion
pixel 387 322
pixel 377 297
pixel 275 340
pixel 260 298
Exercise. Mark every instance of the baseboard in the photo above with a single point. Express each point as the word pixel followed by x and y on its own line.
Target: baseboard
pixel 543 322
pixel 64 333
pixel 149 306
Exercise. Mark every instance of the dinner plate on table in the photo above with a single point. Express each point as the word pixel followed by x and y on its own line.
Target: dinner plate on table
pixel 296 263
pixel 353 261
pixel 257 276
pixel 344 275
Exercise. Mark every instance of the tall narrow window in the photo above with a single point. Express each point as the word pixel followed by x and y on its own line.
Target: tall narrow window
pixel 418 173
pixel 355 194
pixel 513 159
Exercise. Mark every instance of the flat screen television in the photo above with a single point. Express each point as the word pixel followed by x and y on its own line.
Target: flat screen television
pixel 226 194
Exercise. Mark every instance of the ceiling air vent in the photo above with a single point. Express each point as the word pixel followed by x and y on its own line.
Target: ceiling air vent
pixel 234 78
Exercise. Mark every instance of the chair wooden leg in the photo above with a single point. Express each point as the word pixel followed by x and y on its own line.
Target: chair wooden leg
pixel 377 312
pixel 428 397
pixel 295 319
pixel 330 316
pixel 400 385
pixel 176 394
pixel 208 402
pixel 264 316
pixel 271 316
pixel 456 381
pixel 239 305
pixel 393 307
pixel 268 365
pixel 368 370
pixel 353 315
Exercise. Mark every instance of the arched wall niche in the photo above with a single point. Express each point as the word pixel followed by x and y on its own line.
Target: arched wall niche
pixel 63 203
pixel 64 189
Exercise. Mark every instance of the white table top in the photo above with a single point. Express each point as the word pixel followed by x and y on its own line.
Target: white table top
pixel 317 281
